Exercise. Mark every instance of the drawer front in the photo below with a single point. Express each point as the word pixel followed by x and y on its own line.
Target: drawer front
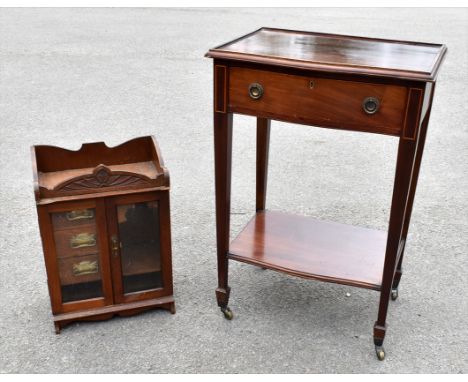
pixel 77 270
pixel 82 240
pixel 318 101
pixel 73 218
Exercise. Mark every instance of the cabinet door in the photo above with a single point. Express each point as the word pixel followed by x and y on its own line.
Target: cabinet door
pixel 139 238
pixel 77 255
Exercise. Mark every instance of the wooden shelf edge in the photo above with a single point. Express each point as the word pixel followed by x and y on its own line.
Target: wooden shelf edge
pixel 222 52
pixel 82 314
pixel 305 275
pixel 96 195
pixel 323 68
pixel 309 248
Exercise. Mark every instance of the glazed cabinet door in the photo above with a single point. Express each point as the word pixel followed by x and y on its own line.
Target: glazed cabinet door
pixel 139 239
pixel 77 255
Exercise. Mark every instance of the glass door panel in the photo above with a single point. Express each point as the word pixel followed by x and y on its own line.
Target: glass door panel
pixel 140 250
pixel 78 254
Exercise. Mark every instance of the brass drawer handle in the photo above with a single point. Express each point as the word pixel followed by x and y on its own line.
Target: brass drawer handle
pixel 370 105
pixel 83 240
pixel 255 90
pixel 80 214
pixel 85 268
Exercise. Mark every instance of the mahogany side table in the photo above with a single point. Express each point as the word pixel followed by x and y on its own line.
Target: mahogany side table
pixel 332 81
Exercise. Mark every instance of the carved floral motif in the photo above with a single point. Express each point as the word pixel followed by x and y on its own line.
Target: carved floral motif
pixel 102 176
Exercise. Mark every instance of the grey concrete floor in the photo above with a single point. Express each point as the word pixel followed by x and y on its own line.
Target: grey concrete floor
pixel 81 75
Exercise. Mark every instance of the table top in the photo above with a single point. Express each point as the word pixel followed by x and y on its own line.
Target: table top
pixel 335 53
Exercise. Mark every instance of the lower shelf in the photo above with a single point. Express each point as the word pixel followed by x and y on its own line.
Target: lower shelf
pixel 310 248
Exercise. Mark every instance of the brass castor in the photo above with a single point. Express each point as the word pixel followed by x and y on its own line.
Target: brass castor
pixel 394 294
pixel 227 313
pixel 380 352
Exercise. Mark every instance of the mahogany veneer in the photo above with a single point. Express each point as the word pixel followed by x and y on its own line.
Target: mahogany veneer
pixel 333 81
pixel 105 228
pixel 334 53
pixel 310 248
pixel 321 101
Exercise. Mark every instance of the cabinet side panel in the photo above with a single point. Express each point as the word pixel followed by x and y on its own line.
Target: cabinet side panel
pixel 166 244
pixel 48 246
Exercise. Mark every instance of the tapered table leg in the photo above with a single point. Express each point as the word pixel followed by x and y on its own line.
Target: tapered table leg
pixel 409 206
pixel 222 160
pixel 263 148
pixel 263 143
pixel 223 156
pixel 406 162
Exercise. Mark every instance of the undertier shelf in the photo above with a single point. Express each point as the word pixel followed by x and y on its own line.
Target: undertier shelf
pixel 311 248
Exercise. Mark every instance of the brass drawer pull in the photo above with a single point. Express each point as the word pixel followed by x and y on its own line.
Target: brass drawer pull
pixel 80 214
pixel 370 105
pixel 83 240
pixel 255 90
pixel 85 268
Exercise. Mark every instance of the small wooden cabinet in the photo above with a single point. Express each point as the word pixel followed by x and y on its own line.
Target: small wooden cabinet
pixel 105 227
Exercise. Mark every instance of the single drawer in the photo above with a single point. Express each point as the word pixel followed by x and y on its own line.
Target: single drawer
pixel 324 102
pixel 76 270
pixel 76 241
pixel 73 218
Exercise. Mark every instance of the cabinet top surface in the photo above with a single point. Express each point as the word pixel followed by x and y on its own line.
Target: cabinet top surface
pixel 97 168
pixel 335 53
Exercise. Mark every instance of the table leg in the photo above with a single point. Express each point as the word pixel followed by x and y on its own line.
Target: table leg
pixel 222 158
pixel 263 145
pixel 405 161
pixel 263 148
pixel 403 190
pixel 409 206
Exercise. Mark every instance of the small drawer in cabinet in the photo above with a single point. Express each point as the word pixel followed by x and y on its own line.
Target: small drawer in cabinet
pixel 79 269
pixel 76 241
pixel 372 107
pixel 73 218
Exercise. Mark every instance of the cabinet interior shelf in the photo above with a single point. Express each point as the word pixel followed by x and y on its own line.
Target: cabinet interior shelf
pixel 311 248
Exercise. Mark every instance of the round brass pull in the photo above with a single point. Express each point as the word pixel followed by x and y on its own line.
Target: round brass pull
pixel 370 105
pixel 255 90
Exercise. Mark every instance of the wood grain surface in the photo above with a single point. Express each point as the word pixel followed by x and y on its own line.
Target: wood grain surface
pixel 311 248
pixel 336 53
pixel 318 101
